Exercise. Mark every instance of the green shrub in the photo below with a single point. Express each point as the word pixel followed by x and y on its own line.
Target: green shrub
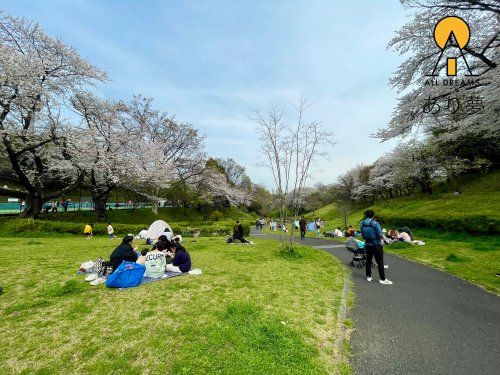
pixel 31 227
pixel 453 258
pixel 474 224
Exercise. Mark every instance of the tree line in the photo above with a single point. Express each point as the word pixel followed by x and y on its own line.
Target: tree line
pixel 58 134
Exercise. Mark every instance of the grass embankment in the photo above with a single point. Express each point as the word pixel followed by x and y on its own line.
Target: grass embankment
pixel 183 221
pixel 147 216
pixel 460 231
pixel 476 210
pixel 251 311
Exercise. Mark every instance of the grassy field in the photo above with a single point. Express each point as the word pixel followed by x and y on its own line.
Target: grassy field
pixel 473 258
pixel 252 311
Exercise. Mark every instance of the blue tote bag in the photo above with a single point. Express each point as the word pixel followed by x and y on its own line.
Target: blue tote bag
pixel 127 274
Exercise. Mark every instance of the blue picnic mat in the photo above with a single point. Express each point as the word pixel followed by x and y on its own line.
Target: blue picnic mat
pixel 166 275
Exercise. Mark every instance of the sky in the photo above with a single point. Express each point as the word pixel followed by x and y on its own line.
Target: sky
pixel 212 63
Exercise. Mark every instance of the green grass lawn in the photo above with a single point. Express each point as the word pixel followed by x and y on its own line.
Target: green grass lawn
pixel 252 311
pixel 473 258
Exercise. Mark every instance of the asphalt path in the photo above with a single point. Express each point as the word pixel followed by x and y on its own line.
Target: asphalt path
pixel 427 322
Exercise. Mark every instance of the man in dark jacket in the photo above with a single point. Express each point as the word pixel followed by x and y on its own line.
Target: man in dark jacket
pixel 124 251
pixel 372 234
pixel 302 225
pixel 238 232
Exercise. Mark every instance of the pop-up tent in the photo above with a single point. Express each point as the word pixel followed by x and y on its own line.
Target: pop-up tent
pixel 311 226
pixel 156 229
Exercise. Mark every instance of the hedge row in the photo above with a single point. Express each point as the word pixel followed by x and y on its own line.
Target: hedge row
pixel 25 227
pixel 474 224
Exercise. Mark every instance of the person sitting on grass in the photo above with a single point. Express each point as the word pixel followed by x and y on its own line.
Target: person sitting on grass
pixel 338 232
pixel 142 258
pixel 124 251
pixel 163 238
pixel 155 261
pixel 238 232
pixel 182 260
pixel 350 232
pixel 88 231
pixel 404 237
pixel 393 234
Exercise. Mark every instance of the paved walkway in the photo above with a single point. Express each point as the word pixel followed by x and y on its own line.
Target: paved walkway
pixel 427 322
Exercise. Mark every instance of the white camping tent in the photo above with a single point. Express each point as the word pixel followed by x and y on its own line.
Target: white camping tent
pixel 156 229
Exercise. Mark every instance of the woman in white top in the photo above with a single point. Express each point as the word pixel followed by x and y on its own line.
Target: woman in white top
pixel 155 261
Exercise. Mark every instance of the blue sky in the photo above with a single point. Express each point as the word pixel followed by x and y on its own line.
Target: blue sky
pixel 212 62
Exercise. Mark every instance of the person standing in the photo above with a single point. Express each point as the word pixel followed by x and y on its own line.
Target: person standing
pixel 302 225
pixel 372 234
pixel 318 224
pixel 111 231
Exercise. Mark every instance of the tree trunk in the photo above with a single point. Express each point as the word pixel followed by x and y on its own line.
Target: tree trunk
pixel 100 208
pixel 426 186
pixel 34 205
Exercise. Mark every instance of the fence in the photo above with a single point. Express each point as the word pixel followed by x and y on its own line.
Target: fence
pixel 16 207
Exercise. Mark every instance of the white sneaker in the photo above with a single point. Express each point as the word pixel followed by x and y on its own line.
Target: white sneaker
pixel 369 278
pixel 385 282
pixel 91 277
pixel 386 266
pixel 98 281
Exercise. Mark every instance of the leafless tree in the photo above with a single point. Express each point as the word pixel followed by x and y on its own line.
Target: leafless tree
pixel 290 152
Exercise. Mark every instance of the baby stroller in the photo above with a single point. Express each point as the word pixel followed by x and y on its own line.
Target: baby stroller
pixel 358 253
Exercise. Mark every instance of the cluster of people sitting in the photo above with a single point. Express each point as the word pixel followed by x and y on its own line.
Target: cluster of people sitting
pixel 348 232
pixel 403 235
pixel 165 256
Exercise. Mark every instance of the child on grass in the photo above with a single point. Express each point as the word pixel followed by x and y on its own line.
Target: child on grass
pixel 142 257
pixel 88 231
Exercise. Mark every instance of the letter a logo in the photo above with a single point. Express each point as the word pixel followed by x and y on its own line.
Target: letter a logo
pixel 451 33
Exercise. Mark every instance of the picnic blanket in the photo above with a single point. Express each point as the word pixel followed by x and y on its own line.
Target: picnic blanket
pixel 166 275
pixel 145 280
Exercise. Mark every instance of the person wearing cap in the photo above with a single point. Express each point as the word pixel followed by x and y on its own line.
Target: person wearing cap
pixel 124 251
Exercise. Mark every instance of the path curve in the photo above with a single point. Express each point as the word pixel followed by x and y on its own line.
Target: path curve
pixel 428 322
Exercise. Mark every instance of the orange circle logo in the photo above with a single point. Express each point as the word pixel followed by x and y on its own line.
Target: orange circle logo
pixel 448 26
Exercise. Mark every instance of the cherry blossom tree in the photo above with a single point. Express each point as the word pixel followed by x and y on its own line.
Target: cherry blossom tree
pixel 468 111
pixel 107 144
pixel 36 73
